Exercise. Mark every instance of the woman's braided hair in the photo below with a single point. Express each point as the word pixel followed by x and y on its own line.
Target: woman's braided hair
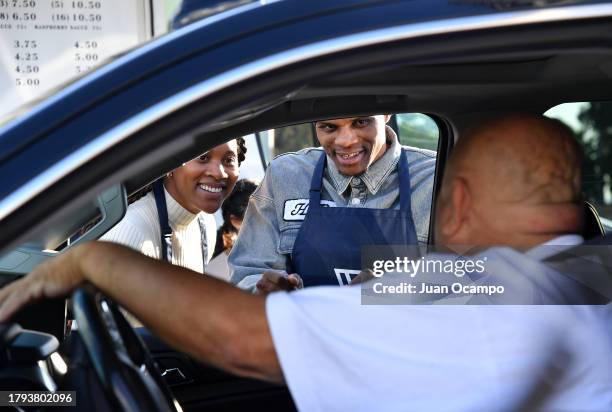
pixel 242 149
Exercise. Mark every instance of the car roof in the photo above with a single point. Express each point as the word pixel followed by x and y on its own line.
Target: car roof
pixel 193 10
pixel 241 22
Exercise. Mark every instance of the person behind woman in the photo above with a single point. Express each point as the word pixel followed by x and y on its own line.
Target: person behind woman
pixel 173 221
pixel 233 210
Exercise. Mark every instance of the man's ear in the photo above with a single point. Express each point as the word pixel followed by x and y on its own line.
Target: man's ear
pixel 387 117
pixel 455 216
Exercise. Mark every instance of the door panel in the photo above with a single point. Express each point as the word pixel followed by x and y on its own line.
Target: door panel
pixel 201 387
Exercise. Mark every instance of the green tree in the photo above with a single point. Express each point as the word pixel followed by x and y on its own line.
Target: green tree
pixel 595 134
pixel 418 130
pixel 292 138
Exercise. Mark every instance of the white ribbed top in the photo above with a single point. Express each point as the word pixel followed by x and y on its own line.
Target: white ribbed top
pixel 140 230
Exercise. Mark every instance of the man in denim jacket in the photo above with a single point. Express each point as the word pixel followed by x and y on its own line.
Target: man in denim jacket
pixel 362 171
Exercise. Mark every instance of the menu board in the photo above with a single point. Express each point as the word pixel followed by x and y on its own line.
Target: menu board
pixel 44 43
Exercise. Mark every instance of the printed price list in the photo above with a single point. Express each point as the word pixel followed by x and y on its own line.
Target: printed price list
pixel 44 43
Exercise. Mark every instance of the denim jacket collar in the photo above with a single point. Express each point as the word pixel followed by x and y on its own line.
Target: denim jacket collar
pixel 376 174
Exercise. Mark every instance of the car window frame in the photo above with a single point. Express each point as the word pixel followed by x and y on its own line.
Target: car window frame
pixel 49 179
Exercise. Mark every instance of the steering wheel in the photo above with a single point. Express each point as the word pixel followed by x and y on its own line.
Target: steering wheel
pixel 122 363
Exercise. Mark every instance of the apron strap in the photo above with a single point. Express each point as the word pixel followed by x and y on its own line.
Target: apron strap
pixel 404 184
pixel 316 183
pixel 204 239
pixel 162 213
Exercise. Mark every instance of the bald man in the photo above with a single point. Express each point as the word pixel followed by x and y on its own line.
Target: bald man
pixel 512 182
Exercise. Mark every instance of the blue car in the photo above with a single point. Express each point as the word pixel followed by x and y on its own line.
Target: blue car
pixel 69 162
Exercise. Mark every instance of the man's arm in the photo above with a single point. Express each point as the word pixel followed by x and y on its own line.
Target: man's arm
pixel 256 250
pixel 202 316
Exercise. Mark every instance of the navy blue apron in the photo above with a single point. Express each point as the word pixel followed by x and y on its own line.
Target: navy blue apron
pixel 327 250
pixel 166 231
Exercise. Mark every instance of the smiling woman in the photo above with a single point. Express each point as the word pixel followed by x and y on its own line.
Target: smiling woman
pixel 203 183
pixel 174 222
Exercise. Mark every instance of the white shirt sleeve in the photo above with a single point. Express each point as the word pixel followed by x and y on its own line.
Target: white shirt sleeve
pixel 210 225
pixel 339 355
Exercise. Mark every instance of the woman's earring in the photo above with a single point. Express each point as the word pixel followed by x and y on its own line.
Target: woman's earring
pixel 169 175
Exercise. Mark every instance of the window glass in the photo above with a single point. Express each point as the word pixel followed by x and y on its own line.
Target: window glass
pixel 417 129
pixel 413 129
pixel 591 124
pixel 293 138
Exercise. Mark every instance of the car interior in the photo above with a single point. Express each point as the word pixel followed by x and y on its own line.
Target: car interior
pixel 454 80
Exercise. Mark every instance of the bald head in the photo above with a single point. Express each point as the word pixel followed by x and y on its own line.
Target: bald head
pixel 513 180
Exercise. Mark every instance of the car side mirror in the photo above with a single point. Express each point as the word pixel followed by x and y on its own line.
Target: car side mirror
pixel 88 223
pixel 112 205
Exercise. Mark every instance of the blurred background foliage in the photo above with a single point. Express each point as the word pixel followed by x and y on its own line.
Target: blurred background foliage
pixel 591 122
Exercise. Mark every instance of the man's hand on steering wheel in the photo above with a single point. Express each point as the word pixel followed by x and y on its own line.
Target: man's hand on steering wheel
pixel 132 382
